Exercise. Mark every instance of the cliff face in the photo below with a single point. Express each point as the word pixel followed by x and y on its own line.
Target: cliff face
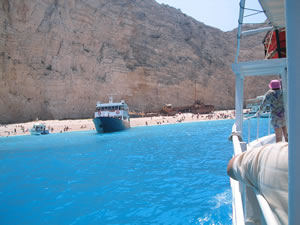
pixel 58 58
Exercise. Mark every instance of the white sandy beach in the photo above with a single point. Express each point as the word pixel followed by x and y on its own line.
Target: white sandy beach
pixel 60 126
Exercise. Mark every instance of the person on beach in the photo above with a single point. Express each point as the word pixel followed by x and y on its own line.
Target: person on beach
pixel 257 168
pixel 274 97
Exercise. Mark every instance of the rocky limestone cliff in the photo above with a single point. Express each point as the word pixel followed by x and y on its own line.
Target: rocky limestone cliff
pixel 59 57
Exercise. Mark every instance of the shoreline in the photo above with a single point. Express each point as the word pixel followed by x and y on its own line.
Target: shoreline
pixel 61 126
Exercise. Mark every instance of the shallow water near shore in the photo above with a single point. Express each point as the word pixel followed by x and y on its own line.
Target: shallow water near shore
pixel 171 174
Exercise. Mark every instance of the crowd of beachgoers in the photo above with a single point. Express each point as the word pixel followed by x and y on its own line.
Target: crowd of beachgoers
pixel 61 126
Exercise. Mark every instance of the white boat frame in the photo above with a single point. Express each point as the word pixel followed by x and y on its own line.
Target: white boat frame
pixel 281 13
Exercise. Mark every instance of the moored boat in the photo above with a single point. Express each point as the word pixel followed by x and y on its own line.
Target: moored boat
pixel 39 129
pixel 111 116
pixel 252 107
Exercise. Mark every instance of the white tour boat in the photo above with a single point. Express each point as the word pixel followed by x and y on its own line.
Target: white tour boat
pixel 111 116
pixel 246 203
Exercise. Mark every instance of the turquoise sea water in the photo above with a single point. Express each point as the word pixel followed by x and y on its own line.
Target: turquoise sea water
pixel 170 174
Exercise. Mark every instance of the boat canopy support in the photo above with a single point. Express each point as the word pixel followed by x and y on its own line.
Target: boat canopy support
pixel 241 18
pixel 239 96
pixel 253 68
pixel 255 31
pixel 260 67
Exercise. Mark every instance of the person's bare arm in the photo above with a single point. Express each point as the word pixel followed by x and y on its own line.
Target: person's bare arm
pixel 229 168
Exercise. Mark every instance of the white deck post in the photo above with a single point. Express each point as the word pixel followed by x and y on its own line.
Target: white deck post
pixel 241 17
pixel 293 51
pixel 285 94
pixel 239 90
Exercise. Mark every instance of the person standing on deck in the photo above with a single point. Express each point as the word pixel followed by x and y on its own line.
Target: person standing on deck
pixel 274 97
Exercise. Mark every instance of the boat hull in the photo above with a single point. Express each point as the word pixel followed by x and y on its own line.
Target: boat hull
pixel 110 124
pixel 33 132
pixel 262 115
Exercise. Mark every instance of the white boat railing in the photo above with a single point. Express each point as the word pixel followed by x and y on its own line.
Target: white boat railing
pixel 257 127
pixel 238 189
pixel 265 209
pixel 239 192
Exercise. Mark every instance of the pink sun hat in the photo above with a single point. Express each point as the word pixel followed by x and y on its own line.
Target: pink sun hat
pixel 275 84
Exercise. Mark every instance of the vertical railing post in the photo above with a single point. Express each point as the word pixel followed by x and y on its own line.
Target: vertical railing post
pixel 269 123
pixel 257 134
pixel 239 92
pixel 249 130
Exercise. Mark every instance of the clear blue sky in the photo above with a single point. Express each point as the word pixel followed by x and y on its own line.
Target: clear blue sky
pixel 222 14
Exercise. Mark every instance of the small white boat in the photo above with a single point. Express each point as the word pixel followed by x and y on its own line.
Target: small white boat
pixel 39 129
pixel 252 107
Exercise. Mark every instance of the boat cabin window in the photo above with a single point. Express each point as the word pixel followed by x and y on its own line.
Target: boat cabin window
pixel 110 108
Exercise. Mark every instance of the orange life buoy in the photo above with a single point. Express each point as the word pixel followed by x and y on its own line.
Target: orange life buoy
pixel 117 111
pixel 99 113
